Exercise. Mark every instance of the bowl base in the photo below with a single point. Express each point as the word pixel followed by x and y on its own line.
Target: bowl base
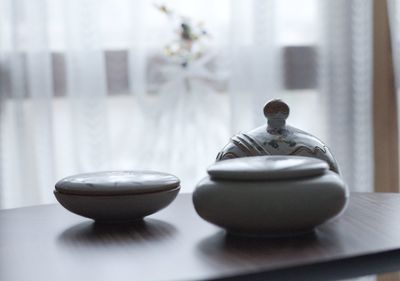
pixel 280 234
pixel 125 221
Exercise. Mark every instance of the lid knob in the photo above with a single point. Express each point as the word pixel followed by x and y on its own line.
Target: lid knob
pixel 276 111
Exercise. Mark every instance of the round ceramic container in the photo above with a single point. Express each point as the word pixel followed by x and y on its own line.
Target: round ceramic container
pixel 270 195
pixel 117 196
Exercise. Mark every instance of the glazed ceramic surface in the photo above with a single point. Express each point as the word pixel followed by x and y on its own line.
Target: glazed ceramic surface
pixel 267 168
pixel 277 138
pixel 117 183
pixel 119 196
pixel 282 205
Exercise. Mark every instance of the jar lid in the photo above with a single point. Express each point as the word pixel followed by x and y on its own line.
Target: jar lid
pixel 117 183
pixel 267 168
pixel 276 137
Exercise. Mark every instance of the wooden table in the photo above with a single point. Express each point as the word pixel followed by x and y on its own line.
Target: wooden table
pixel 49 243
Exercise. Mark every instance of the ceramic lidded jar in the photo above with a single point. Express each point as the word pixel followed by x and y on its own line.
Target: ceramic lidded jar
pixel 277 138
pixel 276 195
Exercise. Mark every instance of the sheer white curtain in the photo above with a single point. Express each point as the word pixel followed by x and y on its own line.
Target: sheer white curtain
pixel 26 124
pixel 339 109
pixel 60 113
pixel 346 87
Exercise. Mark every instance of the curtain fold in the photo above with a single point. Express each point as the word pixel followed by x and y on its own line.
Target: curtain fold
pixel 346 87
pixel 27 150
pixel 86 85
pixel 254 62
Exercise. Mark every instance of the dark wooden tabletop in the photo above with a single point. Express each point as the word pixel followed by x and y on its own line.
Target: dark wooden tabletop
pixel 49 243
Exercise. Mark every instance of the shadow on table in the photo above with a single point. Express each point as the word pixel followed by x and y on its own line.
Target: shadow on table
pixel 89 234
pixel 231 249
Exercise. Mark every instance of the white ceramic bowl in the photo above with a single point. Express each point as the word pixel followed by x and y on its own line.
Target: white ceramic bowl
pixel 269 207
pixel 117 196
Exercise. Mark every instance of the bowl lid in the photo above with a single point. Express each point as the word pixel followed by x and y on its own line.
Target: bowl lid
pixel 117 183
pixel 267 168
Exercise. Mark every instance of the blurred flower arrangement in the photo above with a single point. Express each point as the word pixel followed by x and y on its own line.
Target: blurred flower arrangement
pixel 189 44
